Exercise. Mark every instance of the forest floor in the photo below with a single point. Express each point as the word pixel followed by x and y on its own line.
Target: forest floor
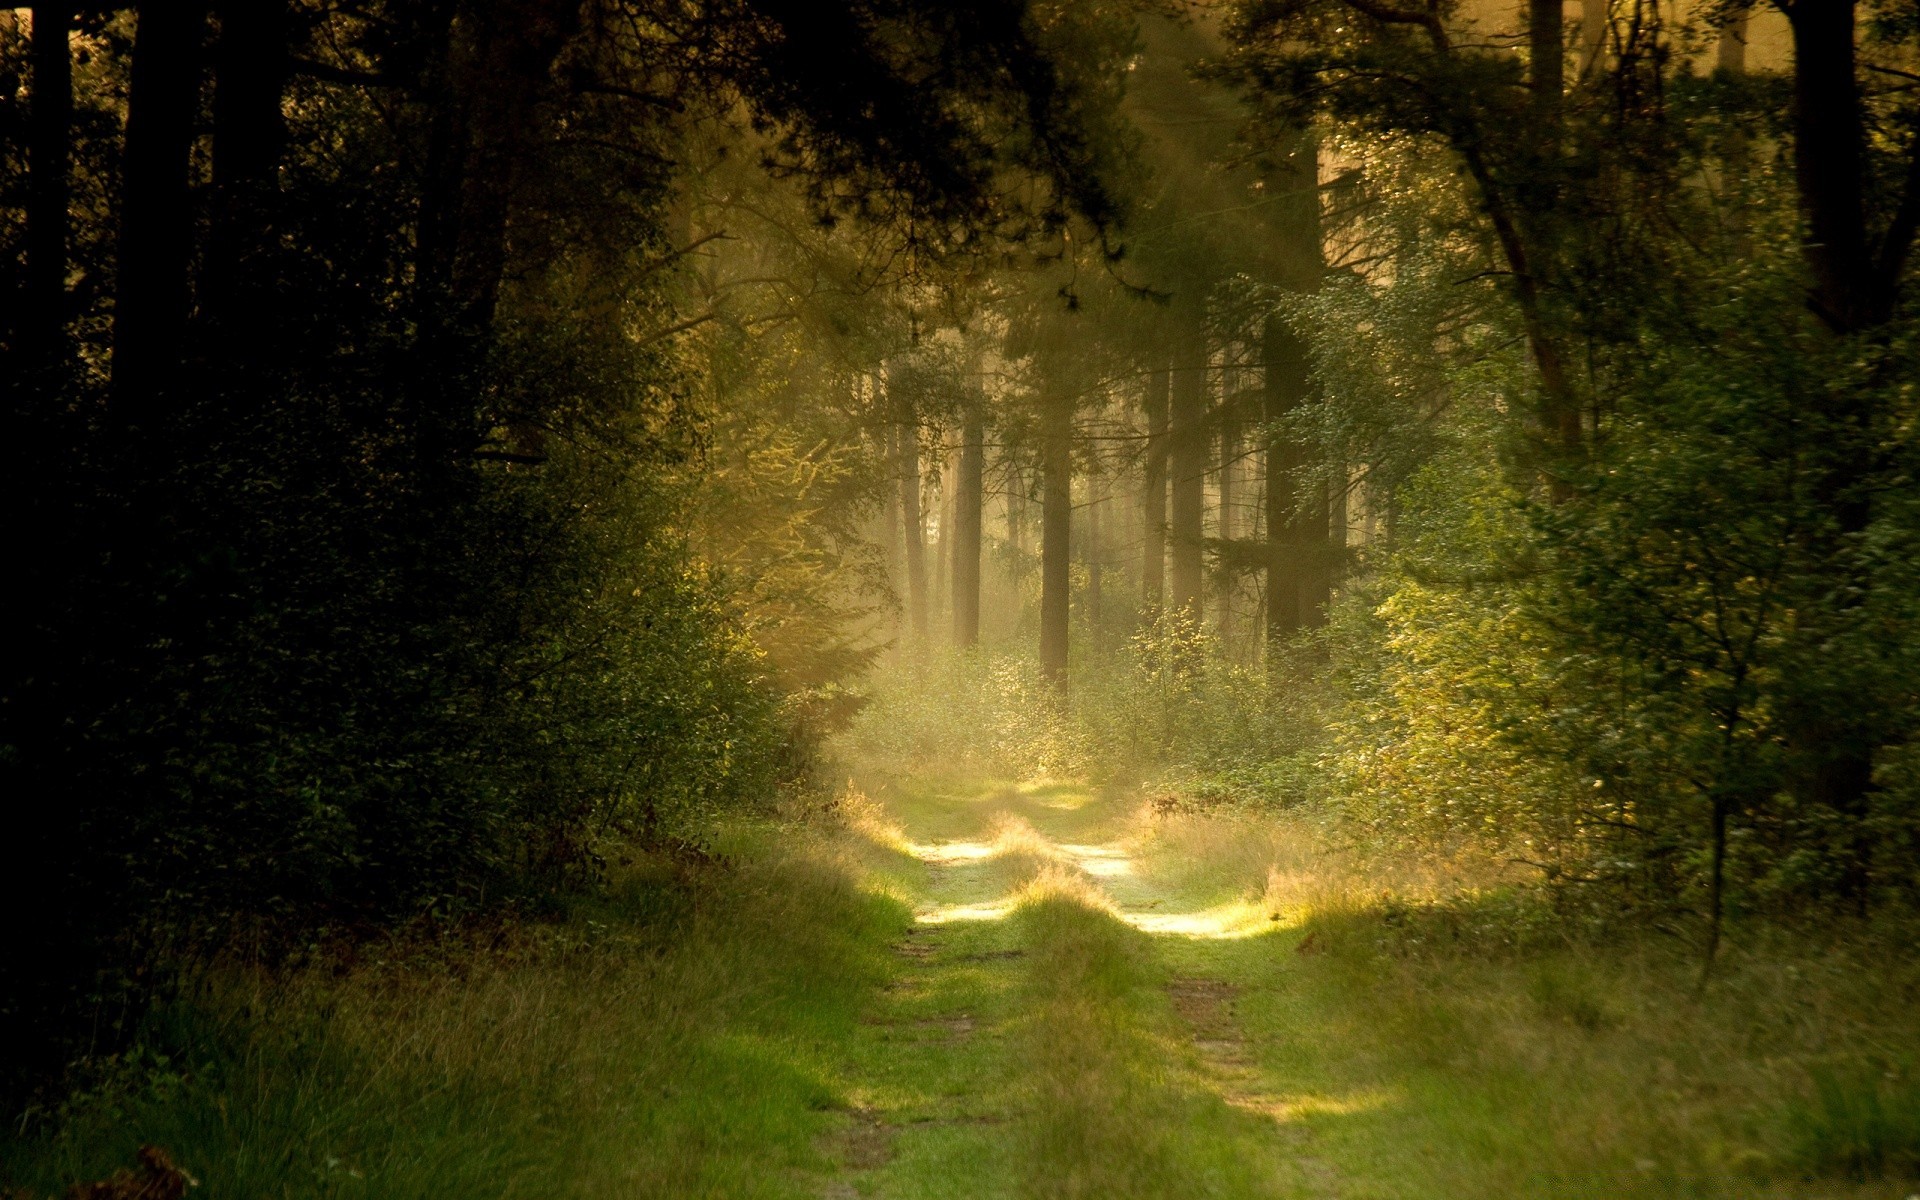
pixel 981 990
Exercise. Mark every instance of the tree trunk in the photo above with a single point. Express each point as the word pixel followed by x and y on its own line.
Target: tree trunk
pixel 156 213
pixel 913 544
pixel 1286 389
pixel 940 550
pixel 1730 51
pixel 890 538
pixel 1094 552
pixel 1016 517
pixel 1153 494
pixel 43 320
pixel 249 137
pixel 1853 291
pixel 1056 530
pixel 1229 509
pixel 966 531
pixel 491 64
pixel 1546 52
pixel 1187 464
pixel 1829 166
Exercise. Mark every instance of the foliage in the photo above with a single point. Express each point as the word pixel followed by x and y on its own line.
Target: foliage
pixel 389 566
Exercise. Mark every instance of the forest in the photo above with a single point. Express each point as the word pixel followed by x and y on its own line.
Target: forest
pixel 961 598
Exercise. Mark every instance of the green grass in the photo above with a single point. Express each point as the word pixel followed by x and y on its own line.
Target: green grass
pixel 1092 1003
pixel 679 1060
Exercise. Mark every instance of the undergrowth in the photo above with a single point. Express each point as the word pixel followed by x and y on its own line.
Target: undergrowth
pixel 658 1041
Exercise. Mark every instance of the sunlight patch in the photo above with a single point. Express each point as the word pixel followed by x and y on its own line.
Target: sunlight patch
pixel 951 852
pixel 949 913
pixel 1236 920
pixel 1299 1106
pixel 1104 862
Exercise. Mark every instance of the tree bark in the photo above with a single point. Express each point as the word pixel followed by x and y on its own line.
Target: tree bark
pixel 1829 166
pixel 490 66
pixel 43 324
pixel 1229 443
pixel 890 536
pixel 1853 291
pixel 1017 516
pixel 1056 531
pixel 249 136
pixel 966 530
pixel 1730 51
pixel 1094 552
pixel 1286 389
pixel 1153 495
pixel 940 549
pixel 1546 52
pixel 1187 464
pixel 913 543
pixel 156 213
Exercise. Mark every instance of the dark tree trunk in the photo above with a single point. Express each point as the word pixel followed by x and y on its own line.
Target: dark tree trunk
pixel 966 531
pixel 1546 50
pixel 1716 882
pixel 249 137
pixel 1853 291
pixel 43 318
pixel 913 544
pixel 489 68
pixel 1229 503
pixel 156 213
pixel 1286 389
pixel 1829 166
pixel 1056 530
pixel 1153 496
pixel 1187 464
pixel 1094 553
pixel 1017 516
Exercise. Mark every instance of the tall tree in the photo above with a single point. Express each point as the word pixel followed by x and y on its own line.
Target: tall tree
pixel 1857 272
pixel 913 528
pixel 1093 551
pixel 42 326
pixel 156 213
pixel 1228 476
pixel 1187 467
pixel 250 68
pixel 966 526
pixel 1285 390
pixel 1056 533
pixel 1153 493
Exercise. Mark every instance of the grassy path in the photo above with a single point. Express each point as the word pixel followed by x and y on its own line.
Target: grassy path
pixel 1091 1003
pixel 1038 1038
pixel 974 992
